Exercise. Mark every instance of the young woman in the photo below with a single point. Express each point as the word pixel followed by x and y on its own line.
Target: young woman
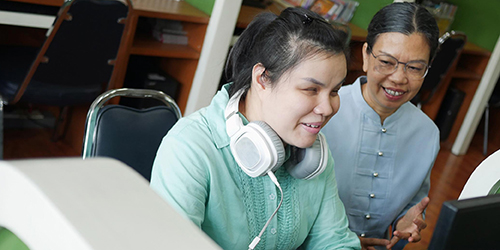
pixel 256 148
pixel 383 146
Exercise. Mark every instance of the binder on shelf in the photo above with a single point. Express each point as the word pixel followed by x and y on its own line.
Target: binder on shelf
pixel 443 12
pixel 169 31
pixel 284 3
pixel 323 7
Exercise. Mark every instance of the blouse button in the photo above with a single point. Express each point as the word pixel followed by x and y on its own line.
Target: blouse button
pixel 273 230
pixel 362 235
pixel 380 153
pixel 372 195
pixel 368 216
pixel 384 130
pixel 375 174
pixel 272 196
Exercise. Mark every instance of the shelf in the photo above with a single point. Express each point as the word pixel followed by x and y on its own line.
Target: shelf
pixel 147 46
pixel 43 2
pixel 464 73
pixel 170 9
pixel 472 49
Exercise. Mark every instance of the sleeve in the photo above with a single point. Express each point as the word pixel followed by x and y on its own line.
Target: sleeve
pixel 331 227
pixel 180 174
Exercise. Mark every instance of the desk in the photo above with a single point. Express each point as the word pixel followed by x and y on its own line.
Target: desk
pixel 28 13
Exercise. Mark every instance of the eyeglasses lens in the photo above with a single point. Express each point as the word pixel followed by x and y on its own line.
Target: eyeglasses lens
pixel 388 65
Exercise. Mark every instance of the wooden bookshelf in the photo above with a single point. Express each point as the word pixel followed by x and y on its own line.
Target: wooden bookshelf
pixel 179 61
pixel 142 43
pixel 466 77
pixel 42 2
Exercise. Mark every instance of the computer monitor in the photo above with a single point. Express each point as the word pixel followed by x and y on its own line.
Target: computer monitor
pixel 468 224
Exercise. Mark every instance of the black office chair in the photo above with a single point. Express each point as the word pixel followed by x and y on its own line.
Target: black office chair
pixel 74 65
pixel 129 134
pixel 450 47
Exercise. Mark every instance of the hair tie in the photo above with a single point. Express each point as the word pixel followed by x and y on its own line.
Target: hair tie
pixel 307 20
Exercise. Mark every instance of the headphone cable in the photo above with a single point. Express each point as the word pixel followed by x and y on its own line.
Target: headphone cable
pixel 256 240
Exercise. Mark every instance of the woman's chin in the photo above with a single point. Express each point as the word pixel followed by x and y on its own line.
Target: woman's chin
pixel 305 144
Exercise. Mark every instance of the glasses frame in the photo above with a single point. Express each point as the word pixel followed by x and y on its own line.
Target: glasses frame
pixel 427 67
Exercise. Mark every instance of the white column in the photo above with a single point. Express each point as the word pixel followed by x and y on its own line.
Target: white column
pixel 213 55
pixel 478 104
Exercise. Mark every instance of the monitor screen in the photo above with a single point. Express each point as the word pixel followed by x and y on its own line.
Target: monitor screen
pixel 468 224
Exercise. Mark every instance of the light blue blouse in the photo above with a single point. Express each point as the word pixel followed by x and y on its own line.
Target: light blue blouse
pixel 196 173
pixel 382 169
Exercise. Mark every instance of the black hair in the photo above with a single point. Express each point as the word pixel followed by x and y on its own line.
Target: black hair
pixel 405 18
pixel 280 43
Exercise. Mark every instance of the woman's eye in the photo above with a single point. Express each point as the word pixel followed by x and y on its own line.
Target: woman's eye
pixel 314 90
pixel 385 62
pixel 416 69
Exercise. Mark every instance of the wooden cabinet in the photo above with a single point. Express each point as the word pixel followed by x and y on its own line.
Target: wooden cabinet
pixel 179 61
pixel 466 77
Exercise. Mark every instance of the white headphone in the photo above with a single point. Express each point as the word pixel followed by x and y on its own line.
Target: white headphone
pixel 258 149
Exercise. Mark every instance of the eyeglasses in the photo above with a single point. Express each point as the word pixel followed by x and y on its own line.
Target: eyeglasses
pixel 387 65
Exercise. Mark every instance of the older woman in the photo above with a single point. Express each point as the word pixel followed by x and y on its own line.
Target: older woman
pixel 384 147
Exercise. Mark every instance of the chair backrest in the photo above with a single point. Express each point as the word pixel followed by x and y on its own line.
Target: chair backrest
pixel 450 47
pixel 128 134
pixel 485 179
pixel 82 47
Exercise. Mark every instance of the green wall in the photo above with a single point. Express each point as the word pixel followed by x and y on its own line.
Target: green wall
pixel 477 18
pixel 365 11
pixel 204 5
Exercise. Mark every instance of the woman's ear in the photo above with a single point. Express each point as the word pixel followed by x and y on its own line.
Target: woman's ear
pixel 259 76
pixel 366 56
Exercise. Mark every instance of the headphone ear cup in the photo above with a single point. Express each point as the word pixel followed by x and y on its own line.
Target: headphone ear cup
pixel 275 142
pixel 257 149
pixel 308 163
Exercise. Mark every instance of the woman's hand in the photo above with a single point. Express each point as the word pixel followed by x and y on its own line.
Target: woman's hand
pixel 410 225
pixel 369 243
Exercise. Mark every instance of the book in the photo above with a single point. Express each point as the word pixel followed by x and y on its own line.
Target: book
pixel 169 31
pixel 322 7
pixel 340 7
pixel 307 4
pixel 170 38
pixel 347 13
pixel 283 3
pixel 295 2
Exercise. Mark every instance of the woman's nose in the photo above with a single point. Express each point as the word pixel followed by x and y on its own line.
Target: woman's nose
pixel 326 107
pixel 399 76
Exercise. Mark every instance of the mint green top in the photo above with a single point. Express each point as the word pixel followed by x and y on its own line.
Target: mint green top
pixel 196 173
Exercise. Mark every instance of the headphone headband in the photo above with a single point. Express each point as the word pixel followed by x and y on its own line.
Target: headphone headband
pixel 233 119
